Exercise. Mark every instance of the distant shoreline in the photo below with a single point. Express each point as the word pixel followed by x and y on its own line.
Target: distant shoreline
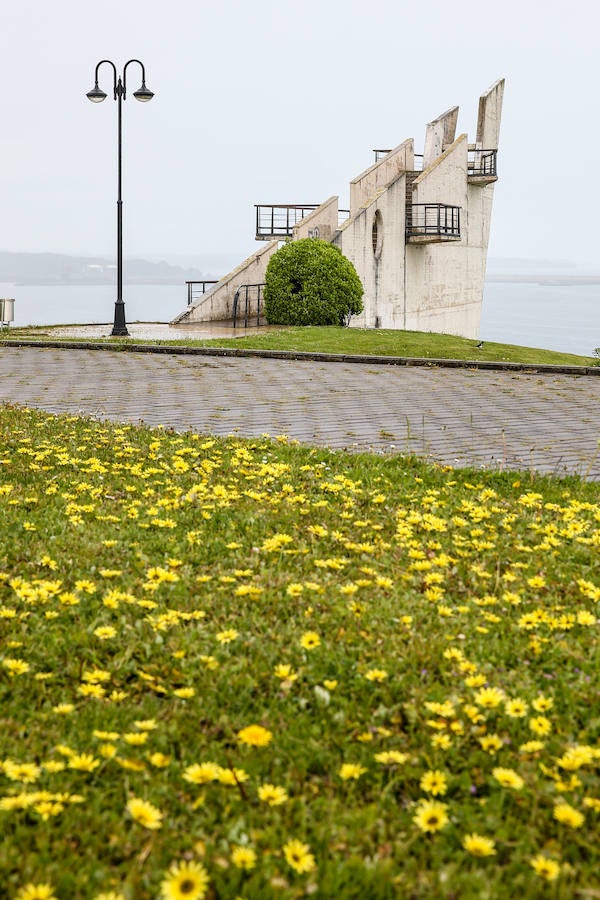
pixel 546 280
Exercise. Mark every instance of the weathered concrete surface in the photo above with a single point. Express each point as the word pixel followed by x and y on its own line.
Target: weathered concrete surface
pixel 550 423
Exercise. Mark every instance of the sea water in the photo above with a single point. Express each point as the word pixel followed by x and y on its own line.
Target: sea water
pixel 556 317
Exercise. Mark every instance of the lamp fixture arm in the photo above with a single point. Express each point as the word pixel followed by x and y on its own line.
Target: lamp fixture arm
pixel 141 64
pixel 114 68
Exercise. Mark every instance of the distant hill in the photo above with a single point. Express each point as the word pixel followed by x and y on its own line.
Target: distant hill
pixel 57 268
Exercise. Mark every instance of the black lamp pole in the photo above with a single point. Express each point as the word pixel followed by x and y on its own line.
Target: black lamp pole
pixel 96 95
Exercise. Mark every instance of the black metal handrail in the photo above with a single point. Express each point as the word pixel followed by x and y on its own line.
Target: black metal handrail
pixel 482 163
pixel 193 293
pixel 418 164
pixel 277 220
pixel 433 219
pixel 248 290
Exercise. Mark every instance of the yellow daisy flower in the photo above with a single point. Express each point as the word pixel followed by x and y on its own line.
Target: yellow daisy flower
pixel 185 881
pixel 477 845
pixel 298 856
pixel 145 813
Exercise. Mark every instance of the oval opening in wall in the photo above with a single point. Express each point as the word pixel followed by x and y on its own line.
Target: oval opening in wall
pixel 377 234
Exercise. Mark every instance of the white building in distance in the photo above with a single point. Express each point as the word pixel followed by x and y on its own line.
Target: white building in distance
pixel 417 233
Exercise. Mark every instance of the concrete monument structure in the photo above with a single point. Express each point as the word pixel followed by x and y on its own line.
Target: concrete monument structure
pixel 417 231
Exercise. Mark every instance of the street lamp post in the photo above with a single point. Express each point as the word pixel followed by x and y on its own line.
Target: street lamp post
pixel 97 95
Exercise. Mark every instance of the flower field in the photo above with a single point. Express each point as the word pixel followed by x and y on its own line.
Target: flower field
pixel 245 669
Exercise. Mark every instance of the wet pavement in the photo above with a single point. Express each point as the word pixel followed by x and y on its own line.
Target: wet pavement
pixel 459 416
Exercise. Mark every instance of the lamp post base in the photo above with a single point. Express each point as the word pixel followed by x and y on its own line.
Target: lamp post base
pixel 119 326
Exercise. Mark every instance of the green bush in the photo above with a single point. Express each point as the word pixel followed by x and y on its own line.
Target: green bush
pixel 310 282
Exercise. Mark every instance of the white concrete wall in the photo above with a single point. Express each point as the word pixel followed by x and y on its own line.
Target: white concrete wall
pixel 321 223
pixel 443 280
pixel 439 134
pixel 217 304
pixel 380 268
pixel 400 159
pixel 488 119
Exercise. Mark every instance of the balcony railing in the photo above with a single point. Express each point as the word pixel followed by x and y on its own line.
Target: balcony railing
pixel 277 220
pixel 428 222
pixel 481 165
pixel 195 289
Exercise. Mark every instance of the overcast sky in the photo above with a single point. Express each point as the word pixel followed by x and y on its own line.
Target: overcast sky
pixel 260 101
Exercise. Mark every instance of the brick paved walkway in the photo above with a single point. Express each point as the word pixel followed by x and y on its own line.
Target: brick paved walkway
pixel 547 422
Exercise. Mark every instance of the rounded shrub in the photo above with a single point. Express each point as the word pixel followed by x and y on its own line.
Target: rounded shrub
pixel 310 282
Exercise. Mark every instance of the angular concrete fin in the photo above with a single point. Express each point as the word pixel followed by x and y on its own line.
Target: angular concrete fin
pixel 490 113
pixel 439 134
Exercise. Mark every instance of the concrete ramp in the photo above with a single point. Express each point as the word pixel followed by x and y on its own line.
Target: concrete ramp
pixel 216 305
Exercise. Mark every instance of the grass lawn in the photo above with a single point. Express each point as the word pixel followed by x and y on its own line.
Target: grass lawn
pixel 245 669
pixel 360 341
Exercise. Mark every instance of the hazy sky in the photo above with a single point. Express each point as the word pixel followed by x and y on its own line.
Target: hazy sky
pixel 260 101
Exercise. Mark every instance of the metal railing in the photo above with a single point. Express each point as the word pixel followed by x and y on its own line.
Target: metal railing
pixel 418 164
pixel 432 219
pixel 277 220
pixel 247 294
pixel 196 289
pixel 482 163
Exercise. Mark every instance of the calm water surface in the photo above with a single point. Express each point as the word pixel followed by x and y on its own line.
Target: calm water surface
pixel 556 317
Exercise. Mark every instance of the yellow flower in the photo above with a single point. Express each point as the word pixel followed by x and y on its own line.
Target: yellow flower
pixel 330 684
pixel 231 777
pixel 145 813
pixel 243 858
pixel 84 762
pixel 540 725
pixel 15 666
pixel 310 640
pixel 135 738
pixel 391 758
pixel 63 709
pixel 545 867
pixel 508 778
pixel 489 698
pixel 225 637
pixel 255 736
pixel 185 881
pixel 477 845
pixel 532 747
pixel 202 773
pixel 568 815
pixel 105 632
pixel 516 708
pixel 435 783
pixel 351 770
pixel 376 675
pixel 430 815
pixel 184 693
pixel 542 704
pixel 159 760
pixel 491 743
pixel 35 892
pixel 272 794
pixel 298 856
pixel 285 672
